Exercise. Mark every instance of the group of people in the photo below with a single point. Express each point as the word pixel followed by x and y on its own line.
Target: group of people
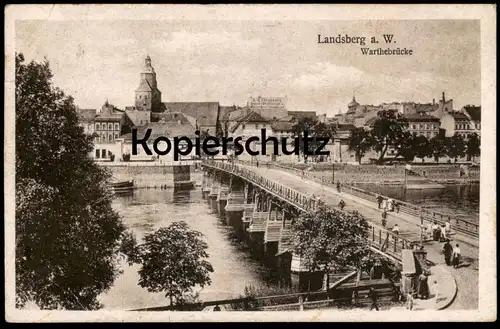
pixel 387 204
pixel 433 231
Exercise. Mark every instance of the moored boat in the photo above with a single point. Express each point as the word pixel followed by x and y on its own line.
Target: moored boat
pixel 121 187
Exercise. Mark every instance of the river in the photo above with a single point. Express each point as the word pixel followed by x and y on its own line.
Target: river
pixel 149 209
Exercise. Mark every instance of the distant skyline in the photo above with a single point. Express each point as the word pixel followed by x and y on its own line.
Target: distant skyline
pixel 229 61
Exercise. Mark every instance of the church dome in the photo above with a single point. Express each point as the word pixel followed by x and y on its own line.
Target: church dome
pixel 353 104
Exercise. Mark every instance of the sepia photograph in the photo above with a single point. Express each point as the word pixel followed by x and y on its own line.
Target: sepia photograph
pixel 165 162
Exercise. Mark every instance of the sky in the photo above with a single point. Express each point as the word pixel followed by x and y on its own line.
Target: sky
pixel 229 61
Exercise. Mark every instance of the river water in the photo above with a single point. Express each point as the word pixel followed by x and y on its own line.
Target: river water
pixel 149 209
pixel 456 200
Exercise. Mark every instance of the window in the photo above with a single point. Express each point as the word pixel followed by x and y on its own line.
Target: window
pixel 117 126
pixel 116 136
pixel 110 137
pixel 97 126
pixel 103 126
pixel 110 126
pixel 420 126
pixel 97 154
pixel 413 126
pixel 256 126
pixel 103 153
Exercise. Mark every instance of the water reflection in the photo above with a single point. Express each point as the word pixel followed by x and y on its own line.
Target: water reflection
pixel 458 200
pixel 149 209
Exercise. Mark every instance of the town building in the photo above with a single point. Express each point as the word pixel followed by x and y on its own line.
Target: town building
pixel 421 124
pixel 174 124
pixel 86 119
pixel 457 123
pixel 268 107
pixel 474 114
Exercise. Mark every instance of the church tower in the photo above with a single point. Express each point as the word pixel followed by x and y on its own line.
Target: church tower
pixel 147 96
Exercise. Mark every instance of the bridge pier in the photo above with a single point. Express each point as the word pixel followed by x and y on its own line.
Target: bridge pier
pixel 222 201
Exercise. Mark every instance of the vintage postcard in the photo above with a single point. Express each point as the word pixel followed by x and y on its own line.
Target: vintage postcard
pixel 250 163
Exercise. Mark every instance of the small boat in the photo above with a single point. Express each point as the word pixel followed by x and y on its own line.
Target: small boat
pixel 121 187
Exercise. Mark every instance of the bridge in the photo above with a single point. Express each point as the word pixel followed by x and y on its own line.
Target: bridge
pixel 260 203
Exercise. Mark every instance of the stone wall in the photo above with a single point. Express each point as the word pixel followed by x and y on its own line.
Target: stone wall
pixel 374 173
pixel 151 176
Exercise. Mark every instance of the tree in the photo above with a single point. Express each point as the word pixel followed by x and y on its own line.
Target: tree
pixel 172 260
pixel 329 240
pixel 315 131
pixel 455 146
pixel 304 125
pixel 389 129
pixel 438 148
pixel 473 146
pixel 360 142
pixel 422 147
pixel 67 234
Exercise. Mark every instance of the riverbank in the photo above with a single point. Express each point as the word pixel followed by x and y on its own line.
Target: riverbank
pixel 152 176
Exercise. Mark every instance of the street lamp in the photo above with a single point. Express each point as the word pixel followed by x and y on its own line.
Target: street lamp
pixel 333 172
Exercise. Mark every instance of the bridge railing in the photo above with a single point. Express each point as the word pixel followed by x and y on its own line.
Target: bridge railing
pixel 461 225
pixel 391 242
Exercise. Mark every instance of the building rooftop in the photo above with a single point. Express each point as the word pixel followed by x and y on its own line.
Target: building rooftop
pixel 458 115
pixel 206 113
pixel 138 118
pixel 421 117
pixel 302 114
pixel 86 115
pixel 474 112
pixel 165 129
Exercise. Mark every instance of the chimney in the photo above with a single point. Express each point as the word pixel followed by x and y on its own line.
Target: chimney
pixel 443 97
pixel 433 101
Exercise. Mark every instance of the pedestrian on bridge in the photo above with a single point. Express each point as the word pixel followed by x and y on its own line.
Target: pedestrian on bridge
pixel 338 186
pixel 384 219
pixel 341 204
pixel 395 229
pixel 447 251
pixel 379 200
pixel 456 256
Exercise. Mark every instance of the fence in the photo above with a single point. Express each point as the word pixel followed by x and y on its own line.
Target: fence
pixel 392 243
pixel 464 226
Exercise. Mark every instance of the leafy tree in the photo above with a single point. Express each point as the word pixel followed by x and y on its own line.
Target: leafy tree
pixel 67 234
pixel 360 142
pixel 438 148
pixel 330 240
pixel 473 146
pixel 303 125
pixel 405 148
pixel 455 146
pixel 172 260
pixel 388 130
pixel 315 130
pixel 422 147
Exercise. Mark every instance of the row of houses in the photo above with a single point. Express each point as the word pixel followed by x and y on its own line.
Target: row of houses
pixel 423 119
pixel 112 127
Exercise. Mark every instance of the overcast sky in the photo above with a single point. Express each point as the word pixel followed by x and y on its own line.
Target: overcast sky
pixel 228 61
